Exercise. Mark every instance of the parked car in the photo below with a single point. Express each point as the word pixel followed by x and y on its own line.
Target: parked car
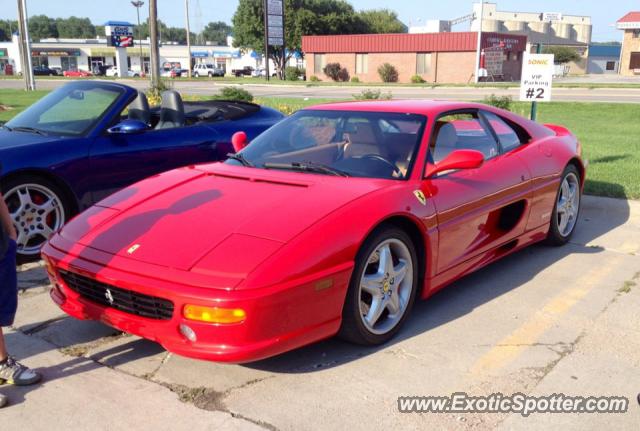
pixel 262 72
pixel 173 72
pixel 334 221
pixel 77 73
pixel 114 71
pixel 245 71
pixel 57 70
pixel 207 69
pixel 43 71
pixel 100 69
pixel 75 146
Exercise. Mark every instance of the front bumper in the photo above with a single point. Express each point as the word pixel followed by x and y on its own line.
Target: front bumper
pixel 279 318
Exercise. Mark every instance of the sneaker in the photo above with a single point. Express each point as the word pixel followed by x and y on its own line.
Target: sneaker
pixel 3 400
pixel 13 372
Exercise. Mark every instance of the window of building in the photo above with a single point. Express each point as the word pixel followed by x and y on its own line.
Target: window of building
pixel 634 61
pixel 611 65
pixel 636 34
pixel 423 63
pixel 362 63
pixel 319 61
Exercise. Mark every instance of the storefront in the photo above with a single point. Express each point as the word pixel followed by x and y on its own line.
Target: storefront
pixel 66 59
pixel 436 57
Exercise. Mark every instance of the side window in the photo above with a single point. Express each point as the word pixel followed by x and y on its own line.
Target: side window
pixel 461 131
pixel 508 138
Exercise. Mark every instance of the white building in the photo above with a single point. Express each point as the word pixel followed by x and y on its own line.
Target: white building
pixel 86 54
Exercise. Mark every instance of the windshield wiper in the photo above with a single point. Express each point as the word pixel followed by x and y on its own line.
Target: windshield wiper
pixel 29 129
pixel 240 157
pixel 6 127
pixel 307 167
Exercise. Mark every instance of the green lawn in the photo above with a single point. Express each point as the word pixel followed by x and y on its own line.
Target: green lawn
pixel 608 131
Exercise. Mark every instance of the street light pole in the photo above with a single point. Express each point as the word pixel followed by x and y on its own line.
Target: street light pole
pixel 138 4
pixel 479 46
pixel 186 12
pixel 154 43
pixel 25 45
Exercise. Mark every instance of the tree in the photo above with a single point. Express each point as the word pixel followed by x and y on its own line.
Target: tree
pixel 302 17
pixel 75 28
pixel 216 33
pixel 42 27
pixel 100 31
pixel 382 21
pixel 7 27
pixel 562 54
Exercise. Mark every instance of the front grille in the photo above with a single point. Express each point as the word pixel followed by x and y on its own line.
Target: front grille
pixel 128 301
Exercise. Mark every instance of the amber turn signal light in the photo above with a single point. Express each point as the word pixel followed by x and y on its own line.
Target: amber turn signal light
pixel 213 314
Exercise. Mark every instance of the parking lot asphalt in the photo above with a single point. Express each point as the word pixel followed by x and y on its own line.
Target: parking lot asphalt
pixel 544 320
pixel 209 87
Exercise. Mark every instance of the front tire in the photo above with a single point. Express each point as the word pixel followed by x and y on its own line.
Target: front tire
pixel 196 75
pixel 382 289
pixel 566 209
pixel 38 208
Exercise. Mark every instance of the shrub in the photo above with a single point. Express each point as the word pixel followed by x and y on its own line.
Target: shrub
pixel 355 79
pixel 235 93
pixel 562 54
pixel 292 73
pixel 343 75
pixel 332 70
pixel 502 102
pixel 154 94
pixel 388 73
pixel 314 78
pixel 417 79
pixel 372 95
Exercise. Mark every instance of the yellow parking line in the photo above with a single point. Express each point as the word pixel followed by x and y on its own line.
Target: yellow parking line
pixel 512 346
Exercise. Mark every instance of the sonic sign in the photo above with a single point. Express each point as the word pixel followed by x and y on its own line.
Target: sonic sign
pixel 119 34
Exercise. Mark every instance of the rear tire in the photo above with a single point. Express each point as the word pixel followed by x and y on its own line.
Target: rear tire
pixel 566 209
pixel 382 289
pixel 38 208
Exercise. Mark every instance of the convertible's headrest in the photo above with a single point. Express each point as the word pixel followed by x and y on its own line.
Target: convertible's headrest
pixel 171 110
pixel 139 109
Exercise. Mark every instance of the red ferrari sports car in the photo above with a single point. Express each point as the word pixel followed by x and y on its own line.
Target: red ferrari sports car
pixel 333 221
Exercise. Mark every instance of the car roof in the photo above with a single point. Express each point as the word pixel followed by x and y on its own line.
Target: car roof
pixel 431 108
pixel 419 106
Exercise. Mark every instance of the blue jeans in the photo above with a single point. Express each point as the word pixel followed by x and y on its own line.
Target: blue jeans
pixel 8 286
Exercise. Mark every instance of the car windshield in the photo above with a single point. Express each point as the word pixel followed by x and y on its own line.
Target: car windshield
pixel 70 110
pixel 348 143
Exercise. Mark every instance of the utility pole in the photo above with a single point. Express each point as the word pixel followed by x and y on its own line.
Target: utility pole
pixel 186 12
pixel 154 43
pixel 266 39
pixel 25 46
pixel 479 46
pixel 138 4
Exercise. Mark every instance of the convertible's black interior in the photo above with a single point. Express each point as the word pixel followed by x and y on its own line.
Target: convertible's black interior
pixel 174 112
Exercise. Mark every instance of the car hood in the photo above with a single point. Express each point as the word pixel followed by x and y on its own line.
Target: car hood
pixel 183 217
pixel 18 139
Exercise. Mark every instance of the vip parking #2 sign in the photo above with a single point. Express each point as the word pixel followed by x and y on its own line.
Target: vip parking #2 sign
pixel 537 76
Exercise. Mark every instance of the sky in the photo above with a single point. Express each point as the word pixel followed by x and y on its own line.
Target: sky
pixel 603 14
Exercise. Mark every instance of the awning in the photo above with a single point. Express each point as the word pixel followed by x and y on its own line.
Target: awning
pixel 199 54
pixel 55 52
pixel 226 54
pixel 111 52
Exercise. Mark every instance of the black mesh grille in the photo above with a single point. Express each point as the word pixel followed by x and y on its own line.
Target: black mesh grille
pixel 124 300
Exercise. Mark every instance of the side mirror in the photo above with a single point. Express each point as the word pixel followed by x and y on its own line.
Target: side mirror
pixel 128 127
pixel 239 141
pixel 459 159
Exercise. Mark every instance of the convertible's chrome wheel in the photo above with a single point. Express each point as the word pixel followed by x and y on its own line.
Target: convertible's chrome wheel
pixel 385 286
pixel 37 213
pixel 568 204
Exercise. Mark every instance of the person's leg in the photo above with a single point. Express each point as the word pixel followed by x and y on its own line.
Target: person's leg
pixel 11 371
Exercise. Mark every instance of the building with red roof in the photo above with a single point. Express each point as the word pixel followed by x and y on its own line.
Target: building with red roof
pixel 630 55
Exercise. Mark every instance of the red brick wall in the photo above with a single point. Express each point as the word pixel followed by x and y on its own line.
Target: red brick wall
pixel 446 67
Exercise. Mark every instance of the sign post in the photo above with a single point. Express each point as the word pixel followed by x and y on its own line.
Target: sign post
pixel 274 28
pixel 537 77
pixel 120 36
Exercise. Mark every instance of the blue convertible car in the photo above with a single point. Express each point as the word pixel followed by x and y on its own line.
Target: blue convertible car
pixel 88 139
